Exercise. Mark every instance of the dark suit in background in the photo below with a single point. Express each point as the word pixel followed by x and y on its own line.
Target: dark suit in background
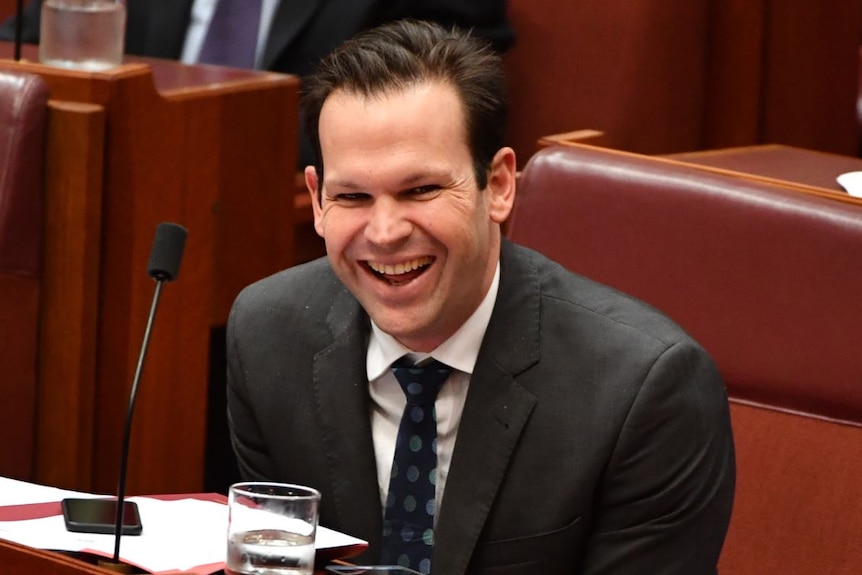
pixel 595 436
pixel 302 30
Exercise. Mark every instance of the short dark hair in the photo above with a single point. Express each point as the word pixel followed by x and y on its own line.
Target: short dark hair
pixel 404 53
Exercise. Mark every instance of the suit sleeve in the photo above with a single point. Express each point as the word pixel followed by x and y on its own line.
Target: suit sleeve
pixel 245 435
pixel 666 500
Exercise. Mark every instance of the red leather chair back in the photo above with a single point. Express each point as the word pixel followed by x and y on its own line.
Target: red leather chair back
pixel 23 101
pixel 769 280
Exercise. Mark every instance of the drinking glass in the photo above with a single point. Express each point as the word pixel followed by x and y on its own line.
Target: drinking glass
pixel 271 529
pixel 82 34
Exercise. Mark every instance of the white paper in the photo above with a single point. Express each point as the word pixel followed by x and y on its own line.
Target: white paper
pixel 14 492
pixel 178 535
pixel 852 183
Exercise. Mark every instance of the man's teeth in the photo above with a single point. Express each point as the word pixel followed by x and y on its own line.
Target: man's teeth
pixel 400 268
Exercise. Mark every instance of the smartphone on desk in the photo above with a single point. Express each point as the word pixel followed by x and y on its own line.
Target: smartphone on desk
pixel 370 570
pixel 100 516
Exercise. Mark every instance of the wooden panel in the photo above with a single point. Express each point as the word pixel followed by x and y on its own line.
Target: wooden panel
pixel 734 72
pixel 214 150
pixel 253 241
pixel 634 70
pixel 810 524
pixel 812 74
pixel 783 72
pixel 20 560
pixel 807 170
pixel 7 8
pixel 67 347
pixel 19 308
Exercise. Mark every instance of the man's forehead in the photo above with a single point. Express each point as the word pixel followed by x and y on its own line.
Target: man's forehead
pixel 344 94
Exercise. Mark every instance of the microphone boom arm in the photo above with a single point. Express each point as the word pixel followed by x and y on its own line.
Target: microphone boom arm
pixel 127 432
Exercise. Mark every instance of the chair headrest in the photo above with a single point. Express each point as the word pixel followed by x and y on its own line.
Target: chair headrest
pixel 23 101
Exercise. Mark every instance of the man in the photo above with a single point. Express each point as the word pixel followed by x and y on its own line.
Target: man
pixel 579 430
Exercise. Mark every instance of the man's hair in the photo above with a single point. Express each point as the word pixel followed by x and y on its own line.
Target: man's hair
pixel 401 54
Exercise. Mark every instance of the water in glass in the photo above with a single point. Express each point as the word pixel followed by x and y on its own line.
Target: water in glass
pixel 270 552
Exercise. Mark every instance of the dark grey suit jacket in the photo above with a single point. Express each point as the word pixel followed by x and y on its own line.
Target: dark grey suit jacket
pixel 595 436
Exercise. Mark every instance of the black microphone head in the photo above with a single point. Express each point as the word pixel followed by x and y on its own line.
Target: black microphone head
pixel 167 252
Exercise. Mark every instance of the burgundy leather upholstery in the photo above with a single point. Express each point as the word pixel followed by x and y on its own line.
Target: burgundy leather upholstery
pixel 769 280
pixel 23 100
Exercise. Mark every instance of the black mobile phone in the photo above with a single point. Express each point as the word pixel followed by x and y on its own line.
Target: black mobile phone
pixel 100 516
pixel 370 570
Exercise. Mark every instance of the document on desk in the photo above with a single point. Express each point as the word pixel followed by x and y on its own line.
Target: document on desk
pixel 852 183
pixel 182 533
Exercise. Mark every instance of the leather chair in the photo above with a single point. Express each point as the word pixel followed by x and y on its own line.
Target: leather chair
pixel 23 101
pixel 769 281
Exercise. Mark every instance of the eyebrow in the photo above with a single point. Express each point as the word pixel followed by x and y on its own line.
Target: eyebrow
pixel 407 182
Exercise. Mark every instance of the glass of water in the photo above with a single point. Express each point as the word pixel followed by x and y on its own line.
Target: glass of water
pixel 271 529
pixel 82 34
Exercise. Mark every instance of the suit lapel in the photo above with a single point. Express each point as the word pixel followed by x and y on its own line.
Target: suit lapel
pixel 495 414
pixel 341 388
pixel 289 19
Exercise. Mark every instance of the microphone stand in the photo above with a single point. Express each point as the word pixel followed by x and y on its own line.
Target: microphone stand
pixel 127 433
pixel 19 7
pixel 78 514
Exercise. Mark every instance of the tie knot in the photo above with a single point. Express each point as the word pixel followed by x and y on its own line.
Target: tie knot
pixel 420 383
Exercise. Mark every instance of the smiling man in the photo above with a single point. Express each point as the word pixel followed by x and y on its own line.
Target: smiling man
pixel 572 428
pixel 407 228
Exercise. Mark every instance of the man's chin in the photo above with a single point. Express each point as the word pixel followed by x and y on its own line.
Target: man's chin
pixel 406 328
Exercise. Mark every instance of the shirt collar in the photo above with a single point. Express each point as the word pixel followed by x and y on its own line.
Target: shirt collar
pixel 459 351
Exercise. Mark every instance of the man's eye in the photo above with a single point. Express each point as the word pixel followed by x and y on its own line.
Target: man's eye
pixel 421 190
pixel 351 197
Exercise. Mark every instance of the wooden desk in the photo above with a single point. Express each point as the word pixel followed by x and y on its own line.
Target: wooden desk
pixel 807 170
pixel 211 148
pixel 21 560
pixel 810 171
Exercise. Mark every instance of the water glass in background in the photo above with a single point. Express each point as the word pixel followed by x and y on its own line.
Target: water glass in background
pixel 82 34
pixel 271 529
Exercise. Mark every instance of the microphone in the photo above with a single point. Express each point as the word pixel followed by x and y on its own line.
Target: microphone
pixel 91 515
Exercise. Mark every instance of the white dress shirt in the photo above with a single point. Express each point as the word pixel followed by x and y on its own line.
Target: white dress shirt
pixel 202 13
pixel 387 399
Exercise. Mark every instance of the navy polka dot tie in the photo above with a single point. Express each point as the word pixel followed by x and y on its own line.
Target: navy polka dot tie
pixel 408 521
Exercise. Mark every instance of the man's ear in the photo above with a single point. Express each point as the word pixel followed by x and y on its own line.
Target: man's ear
pixel 313 185
pixel 501 185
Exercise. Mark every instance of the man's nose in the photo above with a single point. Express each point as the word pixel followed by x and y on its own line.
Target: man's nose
pixel 387 223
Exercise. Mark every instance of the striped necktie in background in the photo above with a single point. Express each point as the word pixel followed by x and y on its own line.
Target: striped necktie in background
pixel 231 39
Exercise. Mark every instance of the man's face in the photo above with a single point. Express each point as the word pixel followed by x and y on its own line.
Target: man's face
pixel 406 228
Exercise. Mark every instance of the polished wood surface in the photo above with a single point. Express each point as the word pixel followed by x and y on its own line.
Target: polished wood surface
pixel 783 72
pixel 20 560
pixel 808 167
pixel 7 8
pixel 70 297
pixel 806 170
pixel 210 148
